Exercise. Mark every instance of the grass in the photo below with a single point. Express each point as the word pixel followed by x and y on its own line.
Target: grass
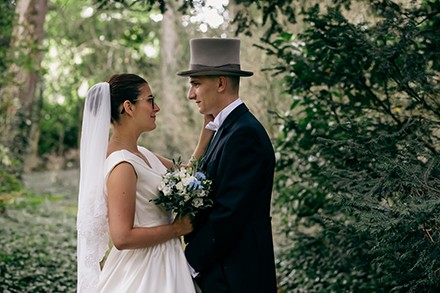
pixel 38 244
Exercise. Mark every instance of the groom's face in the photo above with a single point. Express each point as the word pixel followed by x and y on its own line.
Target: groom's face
pixel 203 90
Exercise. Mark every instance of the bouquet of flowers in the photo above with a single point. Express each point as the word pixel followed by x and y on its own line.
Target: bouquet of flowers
pixel 184 190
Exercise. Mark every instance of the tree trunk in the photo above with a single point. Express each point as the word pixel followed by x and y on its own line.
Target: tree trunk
pixel 180 135
pixel 168 59
pixel 19 94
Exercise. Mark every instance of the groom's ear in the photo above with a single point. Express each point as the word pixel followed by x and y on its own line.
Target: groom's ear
pixel 221 83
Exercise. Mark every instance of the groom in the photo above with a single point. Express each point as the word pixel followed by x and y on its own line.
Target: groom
pixel 231 248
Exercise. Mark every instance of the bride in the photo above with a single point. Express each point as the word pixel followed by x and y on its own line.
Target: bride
pixel 118 180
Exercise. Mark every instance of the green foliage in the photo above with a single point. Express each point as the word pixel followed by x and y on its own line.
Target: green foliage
pixel 130 4
pixel 38 247
pixel 319 265
pixel 10 188
pixel 393 199
pixel 357 174
pixel 378 230
pixel 270 14
pixel 8 182
pixel 7 16
pixel 60 132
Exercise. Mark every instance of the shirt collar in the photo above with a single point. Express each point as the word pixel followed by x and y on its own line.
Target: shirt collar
pixel 221 117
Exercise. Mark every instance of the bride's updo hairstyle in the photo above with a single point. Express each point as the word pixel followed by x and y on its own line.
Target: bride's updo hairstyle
pixel 123 87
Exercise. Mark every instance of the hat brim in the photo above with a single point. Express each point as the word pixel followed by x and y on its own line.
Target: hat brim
pixel 214 72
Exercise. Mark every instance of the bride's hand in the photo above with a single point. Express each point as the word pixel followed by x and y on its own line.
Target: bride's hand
pixel 204 139
pixel 207 118
pixel 183 225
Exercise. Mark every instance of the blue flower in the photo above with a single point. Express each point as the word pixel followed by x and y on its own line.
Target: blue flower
pixel 195 184
pixel 200 176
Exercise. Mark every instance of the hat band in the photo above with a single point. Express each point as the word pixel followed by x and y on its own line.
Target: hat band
pixel 203 67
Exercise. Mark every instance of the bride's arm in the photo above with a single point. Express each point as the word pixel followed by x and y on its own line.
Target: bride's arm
pixel 201 147
pixel 204 139
pixel 121 186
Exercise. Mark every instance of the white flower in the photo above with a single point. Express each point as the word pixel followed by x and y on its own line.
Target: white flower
pixel 182 173
pixel 197 202
pixel 166 190
pixel 180 186
pixel 161 186
pixel 187 180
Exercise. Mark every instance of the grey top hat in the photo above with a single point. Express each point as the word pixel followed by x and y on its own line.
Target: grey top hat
pixel 211 56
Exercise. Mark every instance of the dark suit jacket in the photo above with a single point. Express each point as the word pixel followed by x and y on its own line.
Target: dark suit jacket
pixel 231 245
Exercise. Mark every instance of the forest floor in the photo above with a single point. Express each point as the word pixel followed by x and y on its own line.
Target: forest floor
pixel 62 182
pixel 38 229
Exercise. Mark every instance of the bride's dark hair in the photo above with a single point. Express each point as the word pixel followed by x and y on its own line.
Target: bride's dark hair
pixel 123 87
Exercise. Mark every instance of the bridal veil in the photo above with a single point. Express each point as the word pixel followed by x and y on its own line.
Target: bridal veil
pixel 92 225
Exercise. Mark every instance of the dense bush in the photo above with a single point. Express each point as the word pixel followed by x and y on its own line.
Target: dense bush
pixel 358 151
pixel 378 230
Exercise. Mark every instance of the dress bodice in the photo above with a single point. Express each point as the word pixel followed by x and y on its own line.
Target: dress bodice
pixel 147 213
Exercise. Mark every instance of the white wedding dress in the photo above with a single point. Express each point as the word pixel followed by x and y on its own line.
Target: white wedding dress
pixel 158 269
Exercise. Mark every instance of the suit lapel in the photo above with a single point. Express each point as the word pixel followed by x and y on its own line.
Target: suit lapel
pixel 237 112
pixel 213 143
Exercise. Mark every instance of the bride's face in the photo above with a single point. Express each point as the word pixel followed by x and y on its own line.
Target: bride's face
pixel 145 109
